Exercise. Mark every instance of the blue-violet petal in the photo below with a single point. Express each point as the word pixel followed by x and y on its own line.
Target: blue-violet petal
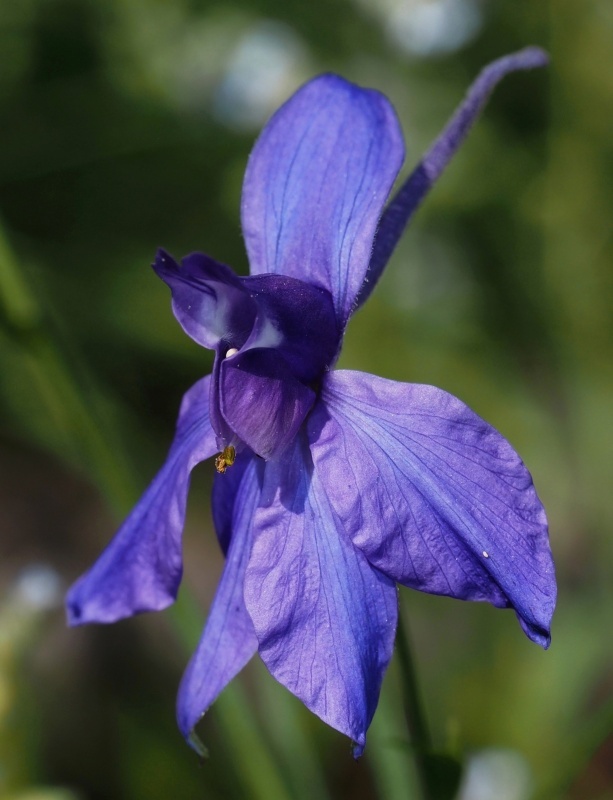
pixel 228 641
pixel 208 299
pixel 141 568
pixel 324 617
pixel 433 495
pixel 316 183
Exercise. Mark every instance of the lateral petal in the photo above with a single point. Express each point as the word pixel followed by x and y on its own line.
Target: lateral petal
pixel 324 617
pixel 433 495
pixel 228 641
pixel 316 183
pixel 141 568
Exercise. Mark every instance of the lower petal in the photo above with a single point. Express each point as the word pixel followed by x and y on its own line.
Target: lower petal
pixel 141 568
pixel 433 495
pixel 324 617
pixel 228 641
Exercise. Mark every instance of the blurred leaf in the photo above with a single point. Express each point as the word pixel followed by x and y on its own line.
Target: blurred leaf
pixel 443 774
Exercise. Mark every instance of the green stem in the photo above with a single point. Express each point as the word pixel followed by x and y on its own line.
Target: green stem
pixel 589 738
pixel 238 726
pixel 78 424
pixel 395 774
pixel 413 708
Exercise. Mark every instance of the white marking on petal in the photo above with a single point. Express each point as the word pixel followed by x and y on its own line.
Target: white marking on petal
pixel 267 336
pixel 485 554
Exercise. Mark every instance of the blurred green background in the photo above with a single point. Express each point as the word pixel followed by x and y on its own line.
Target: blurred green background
pixel 126 125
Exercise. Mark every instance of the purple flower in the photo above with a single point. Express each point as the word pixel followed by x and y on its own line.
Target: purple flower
pixel 332 486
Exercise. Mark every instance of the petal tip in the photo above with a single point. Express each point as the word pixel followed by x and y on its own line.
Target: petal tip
pixel 74 612
pixel 84 607
pixel 541 637
pixel 534 57
pixel 197 745
pixel 163 263
pixel 358 748
pixel 538 633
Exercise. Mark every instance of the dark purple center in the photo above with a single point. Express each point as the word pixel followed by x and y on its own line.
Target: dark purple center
pixel 273 336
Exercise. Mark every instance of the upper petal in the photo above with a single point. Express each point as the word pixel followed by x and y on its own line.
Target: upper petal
pixel 324 617
pixel 228 641
pixel 141 568
pixel 396 216
pixel 433 495
pixel 316 183
pixel 208 299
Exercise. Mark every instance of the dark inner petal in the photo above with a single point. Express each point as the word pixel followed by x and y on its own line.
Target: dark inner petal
pixel 274 338
pixel 227 491
pixel 296 318
pixel 208 299
pixel 262 401
pixel 224 434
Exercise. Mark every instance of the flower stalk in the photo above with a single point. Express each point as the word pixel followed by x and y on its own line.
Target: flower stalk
pixel 413 707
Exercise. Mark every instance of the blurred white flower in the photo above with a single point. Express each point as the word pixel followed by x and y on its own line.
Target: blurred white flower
pixel 261 72
pixel 39 588
pixel 496 773
pixel 225 59
pixel 427 27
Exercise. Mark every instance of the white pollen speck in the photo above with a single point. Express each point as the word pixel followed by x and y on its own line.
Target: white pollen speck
pixel 232 352
pixel 485 554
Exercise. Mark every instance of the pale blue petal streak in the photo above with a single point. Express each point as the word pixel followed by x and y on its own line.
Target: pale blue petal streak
pixel 141 568
pixel 325 618
pixel 316 183
pixel 228 641
pixel 208 300
pixel 396 216
pixel 433 495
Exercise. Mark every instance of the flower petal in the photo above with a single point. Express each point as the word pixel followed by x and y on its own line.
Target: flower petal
pixel 324 617
pixel 262 402
pixel 141 568
pixel 226 488
pixel 433 495
pixel 297 319
pixel 208 300
pixel 228 641
pixel 316 183
pixel 396 216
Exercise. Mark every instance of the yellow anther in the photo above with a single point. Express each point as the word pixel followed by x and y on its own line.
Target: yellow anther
pixel 225 459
